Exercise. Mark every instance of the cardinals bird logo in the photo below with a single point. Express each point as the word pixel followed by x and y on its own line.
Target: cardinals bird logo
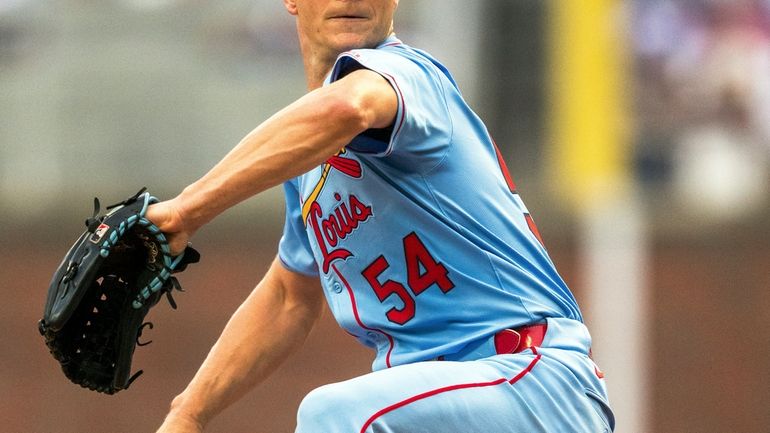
pixel 347 166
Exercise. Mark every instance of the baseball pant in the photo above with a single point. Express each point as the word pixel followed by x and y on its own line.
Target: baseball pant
pixel 552 388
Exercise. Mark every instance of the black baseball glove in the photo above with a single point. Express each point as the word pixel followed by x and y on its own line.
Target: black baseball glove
pixel 99 296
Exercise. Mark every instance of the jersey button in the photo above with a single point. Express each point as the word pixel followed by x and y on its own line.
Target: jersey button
pixel 337 287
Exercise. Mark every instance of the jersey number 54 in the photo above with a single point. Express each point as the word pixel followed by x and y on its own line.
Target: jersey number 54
pixel 422 272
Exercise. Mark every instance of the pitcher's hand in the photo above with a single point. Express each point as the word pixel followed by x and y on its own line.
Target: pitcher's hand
pixel 167 215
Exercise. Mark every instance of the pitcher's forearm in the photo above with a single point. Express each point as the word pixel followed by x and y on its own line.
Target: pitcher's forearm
pixel 260 335
pixel 219 384
pixel 293 141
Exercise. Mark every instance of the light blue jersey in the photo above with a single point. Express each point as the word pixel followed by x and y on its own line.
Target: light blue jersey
pixel 426 252
pixel 421 243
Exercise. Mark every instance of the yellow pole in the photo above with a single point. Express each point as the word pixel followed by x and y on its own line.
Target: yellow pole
pixel 589 140
pixel 589 167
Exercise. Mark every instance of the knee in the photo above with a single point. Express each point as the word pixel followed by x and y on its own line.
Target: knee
pixel 326 409
pixel 316 406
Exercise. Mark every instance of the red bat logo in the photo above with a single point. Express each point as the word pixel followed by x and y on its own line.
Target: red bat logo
pixel 348 166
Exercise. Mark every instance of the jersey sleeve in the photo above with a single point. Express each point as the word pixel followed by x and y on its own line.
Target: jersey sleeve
pixel 422 126
pixel 294 247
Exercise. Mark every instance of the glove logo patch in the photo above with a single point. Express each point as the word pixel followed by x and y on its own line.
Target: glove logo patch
pixel 99 233
pixel 152 252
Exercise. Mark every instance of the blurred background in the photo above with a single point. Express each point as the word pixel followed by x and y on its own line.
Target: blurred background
pixel 638 132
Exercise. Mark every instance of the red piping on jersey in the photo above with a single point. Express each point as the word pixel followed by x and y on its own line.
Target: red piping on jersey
pixel 504 167
pixel 437 391
pixel 391 80
pixel 533 228
pixel 358 318
pixel 401 101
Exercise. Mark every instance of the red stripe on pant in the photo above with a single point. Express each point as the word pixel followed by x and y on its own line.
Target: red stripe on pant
pixel 431 393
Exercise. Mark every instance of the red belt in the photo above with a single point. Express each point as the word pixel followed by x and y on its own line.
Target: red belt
pixel 519 339
pixel 507 341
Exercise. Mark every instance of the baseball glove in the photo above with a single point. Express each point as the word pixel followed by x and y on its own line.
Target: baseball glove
pixel 101 292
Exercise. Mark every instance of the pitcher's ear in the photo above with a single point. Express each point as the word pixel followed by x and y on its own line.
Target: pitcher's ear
pixel 291 6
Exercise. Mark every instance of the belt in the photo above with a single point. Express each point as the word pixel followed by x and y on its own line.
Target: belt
pixel 507 341
pixel 517 340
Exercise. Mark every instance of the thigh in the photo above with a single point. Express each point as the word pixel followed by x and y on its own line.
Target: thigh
pixel 505 393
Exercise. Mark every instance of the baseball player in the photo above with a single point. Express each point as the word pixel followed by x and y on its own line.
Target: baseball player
pixel 400 213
